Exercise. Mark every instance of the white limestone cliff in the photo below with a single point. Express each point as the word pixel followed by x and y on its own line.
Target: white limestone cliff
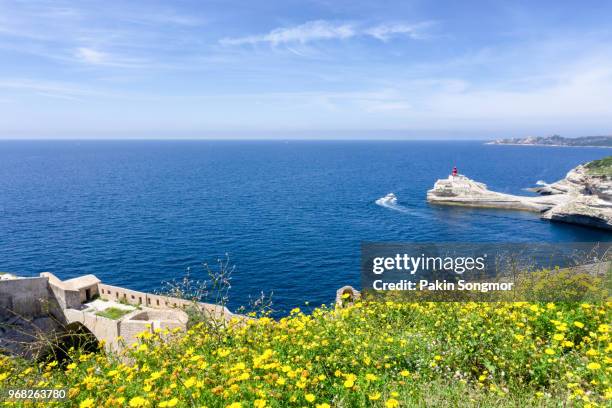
pixel 580 198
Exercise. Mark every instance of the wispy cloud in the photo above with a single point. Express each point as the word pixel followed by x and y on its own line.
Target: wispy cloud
pixel 55 89
pixel 95 57
pixel 310 31
pixel 121 36
pixel 91 56
pixel 319 30
pixel 385 32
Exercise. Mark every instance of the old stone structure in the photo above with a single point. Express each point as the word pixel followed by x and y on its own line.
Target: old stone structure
pixel 29 307
pixel 347 295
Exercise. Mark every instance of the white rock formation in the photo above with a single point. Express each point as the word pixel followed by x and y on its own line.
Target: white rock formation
pixel 589 199
pixel 580 198
pixel 463 191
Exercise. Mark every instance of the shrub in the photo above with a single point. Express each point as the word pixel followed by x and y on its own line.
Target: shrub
pixel 385 353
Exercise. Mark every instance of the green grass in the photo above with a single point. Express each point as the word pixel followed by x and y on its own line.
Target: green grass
pixel 113 313
pixel 601 167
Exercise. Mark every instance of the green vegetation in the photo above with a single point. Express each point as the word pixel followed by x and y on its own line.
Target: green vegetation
pixel 113 313
pixel 601 167
pixel 363 353
pixel 381 354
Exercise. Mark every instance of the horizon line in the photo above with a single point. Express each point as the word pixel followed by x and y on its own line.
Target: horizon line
pixel 238 139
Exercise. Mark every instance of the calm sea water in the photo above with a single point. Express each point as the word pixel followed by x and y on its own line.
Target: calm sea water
pixel 291 215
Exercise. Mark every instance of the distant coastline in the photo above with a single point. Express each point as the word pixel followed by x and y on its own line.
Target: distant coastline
pixel 557 141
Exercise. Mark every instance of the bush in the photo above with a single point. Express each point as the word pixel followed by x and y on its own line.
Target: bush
pixel 370 353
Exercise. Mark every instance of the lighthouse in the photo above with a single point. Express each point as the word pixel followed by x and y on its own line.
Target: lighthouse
pixel 454 173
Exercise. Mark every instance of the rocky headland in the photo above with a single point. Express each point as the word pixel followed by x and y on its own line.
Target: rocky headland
pixel 583 197
pixel 556 140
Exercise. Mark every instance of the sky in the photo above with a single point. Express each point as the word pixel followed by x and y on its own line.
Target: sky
pixel 318 69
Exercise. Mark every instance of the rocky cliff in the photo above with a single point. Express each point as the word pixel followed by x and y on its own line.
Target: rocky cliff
pixel 583 197
pixel 589 197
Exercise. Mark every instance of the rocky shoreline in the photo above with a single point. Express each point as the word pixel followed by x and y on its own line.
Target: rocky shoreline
pixel 583 197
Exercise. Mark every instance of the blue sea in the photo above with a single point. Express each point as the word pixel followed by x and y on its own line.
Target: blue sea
pixel 290 214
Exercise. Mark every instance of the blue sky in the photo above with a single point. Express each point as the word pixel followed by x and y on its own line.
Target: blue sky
pixel 304 69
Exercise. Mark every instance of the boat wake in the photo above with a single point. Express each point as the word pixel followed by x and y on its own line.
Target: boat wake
pixel 390 201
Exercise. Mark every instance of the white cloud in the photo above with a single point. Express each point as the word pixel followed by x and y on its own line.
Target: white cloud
pixel 384 32
pixel 91 56
pixel 310 31
pixel 325 30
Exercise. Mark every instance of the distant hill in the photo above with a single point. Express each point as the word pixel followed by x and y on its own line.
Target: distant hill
pixel 556 140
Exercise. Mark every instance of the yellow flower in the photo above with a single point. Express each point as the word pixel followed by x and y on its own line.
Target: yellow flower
pixel 371 377
pixel 558 337
pixel 235 405
pixel 310 397
pixel 549 351
pixel 392 403
pixel 578 324
pixel 593 366
pixel 349 383
pixel 374 397
pixel 404 373
pixel 169 403
pixel 88 403
pixel 190 382
pixel 138 402
pixel 259 403
pixel 323 405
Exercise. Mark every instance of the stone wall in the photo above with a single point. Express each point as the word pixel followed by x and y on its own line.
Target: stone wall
pixel 47 295
pixel 27 297
pixel 148 320
pixel 133 297
pixel 103 328
pixel 66 298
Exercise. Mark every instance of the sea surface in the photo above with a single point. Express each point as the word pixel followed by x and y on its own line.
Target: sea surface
pixel 290 215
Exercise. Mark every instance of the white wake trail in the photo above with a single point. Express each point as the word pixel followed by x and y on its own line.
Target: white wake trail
pixel 390 201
